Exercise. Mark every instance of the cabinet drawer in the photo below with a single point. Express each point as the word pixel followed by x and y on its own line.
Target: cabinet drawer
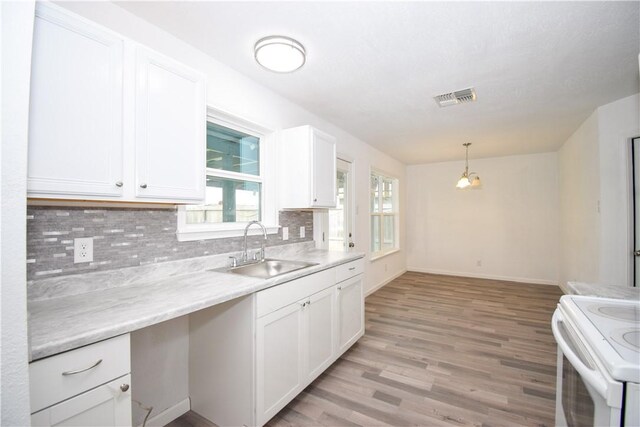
pixel 56 378
pixel 350 269
pixel 287 293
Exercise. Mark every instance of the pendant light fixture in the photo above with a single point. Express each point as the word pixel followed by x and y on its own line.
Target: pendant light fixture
pixel 468 179
pixel 279 54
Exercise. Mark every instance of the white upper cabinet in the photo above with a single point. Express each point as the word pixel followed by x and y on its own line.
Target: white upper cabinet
pixel 307 165
pixel 75 118
pixel 170 128
pixel 110 119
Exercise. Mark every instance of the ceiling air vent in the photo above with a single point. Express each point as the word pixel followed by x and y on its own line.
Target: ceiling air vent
pixel 458 97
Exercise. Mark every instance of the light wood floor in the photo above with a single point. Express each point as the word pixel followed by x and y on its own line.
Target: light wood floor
pixel 439 350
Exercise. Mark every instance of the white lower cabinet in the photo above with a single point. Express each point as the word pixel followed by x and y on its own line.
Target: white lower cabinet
pixel 88 386
pixel 283 338
pixel 106 405
pixel 320 333
pixel 294 345
pixel 279 347
pixel 350 312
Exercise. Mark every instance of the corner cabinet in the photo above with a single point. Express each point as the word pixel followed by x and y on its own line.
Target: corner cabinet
pixel 307 169
pixel 99 100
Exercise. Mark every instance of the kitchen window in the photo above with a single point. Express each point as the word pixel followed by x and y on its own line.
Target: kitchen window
pixel 384 214
pixel 237 190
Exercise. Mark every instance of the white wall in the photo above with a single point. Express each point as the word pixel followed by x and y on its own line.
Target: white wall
pixel 595 192
pixel 511 225
pixel 17 32
pixel 617 123
pixel 579 199
pixel 230 91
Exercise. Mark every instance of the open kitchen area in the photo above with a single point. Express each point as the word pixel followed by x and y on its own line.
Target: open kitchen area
pixel 384 213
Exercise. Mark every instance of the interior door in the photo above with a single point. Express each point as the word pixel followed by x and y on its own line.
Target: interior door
pixel 340 229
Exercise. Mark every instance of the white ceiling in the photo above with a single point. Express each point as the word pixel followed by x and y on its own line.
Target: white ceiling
pixel 539 68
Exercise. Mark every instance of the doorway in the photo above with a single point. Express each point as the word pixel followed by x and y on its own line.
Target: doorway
pixel 340 230
pixel 635 199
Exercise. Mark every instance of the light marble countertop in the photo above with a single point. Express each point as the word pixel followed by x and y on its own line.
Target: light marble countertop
pixel 61 323
pixel 599 290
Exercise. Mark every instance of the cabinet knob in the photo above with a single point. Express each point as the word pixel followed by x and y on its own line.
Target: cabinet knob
pixel 124 387
pixel 339 288
pixel 315 200
pixel 119 184
pixel 143 185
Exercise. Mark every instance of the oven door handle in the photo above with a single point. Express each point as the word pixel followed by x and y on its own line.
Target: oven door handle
pixel 589 375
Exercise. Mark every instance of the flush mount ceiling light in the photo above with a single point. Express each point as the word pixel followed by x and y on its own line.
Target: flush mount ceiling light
pixel 279 54
pixel 468 179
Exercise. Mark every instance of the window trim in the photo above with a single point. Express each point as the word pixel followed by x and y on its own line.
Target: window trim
pixel 190 232
pixel 395 213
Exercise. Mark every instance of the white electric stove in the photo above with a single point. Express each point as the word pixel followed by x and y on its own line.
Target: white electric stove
pixel 598 361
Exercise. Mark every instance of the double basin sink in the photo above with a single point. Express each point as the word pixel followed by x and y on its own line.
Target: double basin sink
pixel 269 268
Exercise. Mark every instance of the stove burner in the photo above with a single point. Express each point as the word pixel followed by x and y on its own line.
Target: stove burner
pixel 629 338
pixel 628 314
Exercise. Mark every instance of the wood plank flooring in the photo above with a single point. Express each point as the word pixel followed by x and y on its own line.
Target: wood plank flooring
pixel 440 351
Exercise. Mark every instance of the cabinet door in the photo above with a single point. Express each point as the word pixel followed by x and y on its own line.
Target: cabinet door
pixel 320 331
pixel 75 112
pixel 107 405
pixel 279 373
pixel 170 135
pixel 323 170
pixel 350 312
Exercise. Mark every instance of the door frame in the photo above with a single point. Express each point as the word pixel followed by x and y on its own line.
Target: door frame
pixel 633 221
pixel 321 218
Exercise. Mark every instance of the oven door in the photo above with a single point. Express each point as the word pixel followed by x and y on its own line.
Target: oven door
pixel 585 394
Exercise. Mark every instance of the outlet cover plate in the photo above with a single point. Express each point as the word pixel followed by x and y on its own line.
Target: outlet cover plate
pixel 83 250
pixel 285 233
pixel 302 232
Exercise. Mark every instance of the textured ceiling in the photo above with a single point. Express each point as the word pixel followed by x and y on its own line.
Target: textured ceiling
pixel 539 68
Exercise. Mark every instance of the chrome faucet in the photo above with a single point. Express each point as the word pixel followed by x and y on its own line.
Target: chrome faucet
pixel 246 229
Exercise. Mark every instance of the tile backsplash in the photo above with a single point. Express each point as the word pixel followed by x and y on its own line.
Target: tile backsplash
pixel 127 237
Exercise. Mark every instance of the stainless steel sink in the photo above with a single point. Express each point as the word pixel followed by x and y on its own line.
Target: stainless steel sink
pixel 269 268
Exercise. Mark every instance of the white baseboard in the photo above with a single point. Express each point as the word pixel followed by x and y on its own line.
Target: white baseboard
pixel 484 276
pixel 384 282
pixel 170 414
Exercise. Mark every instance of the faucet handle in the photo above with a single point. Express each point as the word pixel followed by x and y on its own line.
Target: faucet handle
pixel 234 261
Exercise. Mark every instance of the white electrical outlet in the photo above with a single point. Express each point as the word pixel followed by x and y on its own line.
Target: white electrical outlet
pixel 302 232
pixel 285 233
pixel 83 250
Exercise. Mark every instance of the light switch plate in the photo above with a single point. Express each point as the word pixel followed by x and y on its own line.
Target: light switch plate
pixel 302 232
pixel 83 250
pixel 285 233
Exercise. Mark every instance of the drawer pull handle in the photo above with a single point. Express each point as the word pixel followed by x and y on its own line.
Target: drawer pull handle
pixel 352 268
pixel 82 370
pixel 339 288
